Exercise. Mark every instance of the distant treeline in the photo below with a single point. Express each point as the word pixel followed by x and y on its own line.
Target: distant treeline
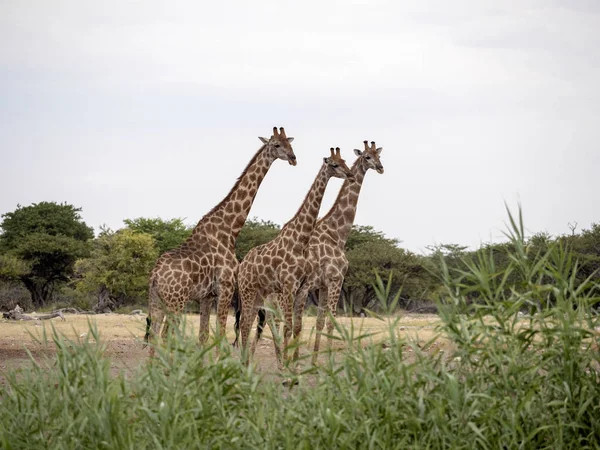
pixel 49 256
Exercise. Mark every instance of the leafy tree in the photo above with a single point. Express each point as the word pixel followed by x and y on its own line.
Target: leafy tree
pixel 362 234
pixel 120 263
pixel 13 268
pixel 497 257
pixel 41 243
pixel 586 247
pixel 167 234
pixel 254 232
pixel 386 259
pixel 452 254
pixel 370 252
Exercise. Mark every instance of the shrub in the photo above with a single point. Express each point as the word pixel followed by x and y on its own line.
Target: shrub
pixel 67 296
pixel 13 294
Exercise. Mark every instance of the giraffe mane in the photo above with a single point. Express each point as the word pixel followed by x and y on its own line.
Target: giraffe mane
pixel 299 208
pixel 235 186
pixel 331 210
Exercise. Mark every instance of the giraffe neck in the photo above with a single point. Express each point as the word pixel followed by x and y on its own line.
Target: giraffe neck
pixel 342 213
pixel 229 216
pixel 301 226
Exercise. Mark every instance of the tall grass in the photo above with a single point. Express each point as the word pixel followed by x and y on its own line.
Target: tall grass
pixel 512 380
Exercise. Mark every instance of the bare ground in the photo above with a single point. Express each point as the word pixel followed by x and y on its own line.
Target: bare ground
pixel 123 335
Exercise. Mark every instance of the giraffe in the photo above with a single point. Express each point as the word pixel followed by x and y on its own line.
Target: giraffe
pixel 204 266
pixel 278 267
pixel 327 256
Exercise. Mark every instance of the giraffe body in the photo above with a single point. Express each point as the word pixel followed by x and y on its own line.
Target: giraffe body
pixel 279 266
pixel 204 266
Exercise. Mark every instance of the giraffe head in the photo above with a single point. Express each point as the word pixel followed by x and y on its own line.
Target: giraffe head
pixel 371 156
pixel 336 166
pixel 279 146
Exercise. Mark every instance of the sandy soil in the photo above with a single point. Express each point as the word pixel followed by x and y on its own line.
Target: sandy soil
pixel 123 335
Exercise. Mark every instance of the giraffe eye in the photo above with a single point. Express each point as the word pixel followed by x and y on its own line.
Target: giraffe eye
pixel 334 165
pixel 277 146
pixel 367 157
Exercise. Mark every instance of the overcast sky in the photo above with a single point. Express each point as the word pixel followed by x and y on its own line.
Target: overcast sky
pixel 146 108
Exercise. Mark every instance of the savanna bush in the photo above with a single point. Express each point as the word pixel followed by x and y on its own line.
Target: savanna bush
pixel 13 294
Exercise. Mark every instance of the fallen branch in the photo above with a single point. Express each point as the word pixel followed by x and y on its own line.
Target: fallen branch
pixel 17 314
pixel 73 311
pixel 52 315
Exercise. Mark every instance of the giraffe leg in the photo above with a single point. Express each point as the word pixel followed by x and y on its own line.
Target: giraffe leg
pixel 247 300
pixel 171 324
pixel 299 305
pixel 286 300
pixel 274 320
pixel 226 288
pixel 154 320
pixel 320 322
pixel 165 329
pixel 255 341
pixel 333 297
pixel 205 305
pixel 262 317
pixel 237 308
pixel 156 314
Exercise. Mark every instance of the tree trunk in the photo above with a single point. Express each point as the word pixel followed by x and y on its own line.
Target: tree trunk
pixel 354 300
pixel 39 292
pixel 370 299
pixel 107 303
pixel 104 302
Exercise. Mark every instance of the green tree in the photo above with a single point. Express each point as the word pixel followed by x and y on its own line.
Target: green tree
pixel 46 239
pixel 586 248
pixel 12 291
pixel 167 234
pixel 452 254
pixel 119 264
pixel 13 268
pixel 362 234
pixel 254 232
pixel 497 258
pixel 369 252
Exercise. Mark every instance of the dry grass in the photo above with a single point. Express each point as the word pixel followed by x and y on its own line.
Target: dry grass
pixel 123 335
pixel 121 326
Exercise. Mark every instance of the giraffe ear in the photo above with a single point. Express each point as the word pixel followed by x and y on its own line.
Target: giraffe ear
pixel 357 152
pixel 379 150
pixel 326 160
pixel 263 140
pixel 290 139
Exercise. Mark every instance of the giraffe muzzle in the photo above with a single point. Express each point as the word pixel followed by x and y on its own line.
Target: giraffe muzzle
pixel 379 169
pixel 292 160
